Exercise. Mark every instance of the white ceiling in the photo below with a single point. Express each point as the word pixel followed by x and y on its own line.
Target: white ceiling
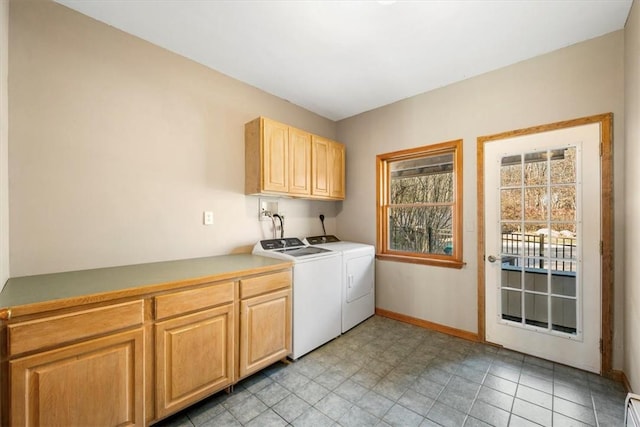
pixel 341 58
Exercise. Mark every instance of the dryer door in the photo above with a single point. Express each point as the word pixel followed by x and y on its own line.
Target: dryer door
pixel 360 277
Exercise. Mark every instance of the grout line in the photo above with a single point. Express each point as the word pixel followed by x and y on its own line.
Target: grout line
pixel 595 412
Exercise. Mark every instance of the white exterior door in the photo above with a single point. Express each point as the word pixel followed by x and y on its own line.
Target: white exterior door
pixel 542 245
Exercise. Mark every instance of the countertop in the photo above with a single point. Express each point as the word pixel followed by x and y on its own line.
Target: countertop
pixel 31 294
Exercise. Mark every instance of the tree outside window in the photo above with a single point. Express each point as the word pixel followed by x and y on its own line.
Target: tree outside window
pixel 420 205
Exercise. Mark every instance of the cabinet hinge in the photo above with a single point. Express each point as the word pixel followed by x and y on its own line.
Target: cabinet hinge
pixel 601 148
pixel 601 247
pixel 601 346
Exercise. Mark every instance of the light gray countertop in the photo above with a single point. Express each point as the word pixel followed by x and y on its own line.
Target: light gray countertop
pixel 96 285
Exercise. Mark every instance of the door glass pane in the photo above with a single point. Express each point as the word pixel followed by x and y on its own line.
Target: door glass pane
pixel 536 204
pixel 511 248
pixel 511 277
pixel 563 283
pixel 511 204
pixel 535 279
pixel 511 171
pixel 535 168
pixel 512 305
pixel 564 245
pixel 564 315
pixel 563 166
pixel 535 239
pixel 510 227
pixel 536 310
pixel 563 203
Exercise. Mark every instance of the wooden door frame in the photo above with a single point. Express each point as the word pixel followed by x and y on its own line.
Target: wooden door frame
pixel 606 228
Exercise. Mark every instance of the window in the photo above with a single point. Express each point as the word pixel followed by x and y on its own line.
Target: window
pixel 419 212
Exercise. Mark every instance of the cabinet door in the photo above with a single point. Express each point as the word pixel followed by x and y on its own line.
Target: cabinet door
pixel 194 357
pixel 337 163
pixel 265 330
pixel 320 155
pixel 98 382
pixel 299 162
pixel 327 170
pixel 275 157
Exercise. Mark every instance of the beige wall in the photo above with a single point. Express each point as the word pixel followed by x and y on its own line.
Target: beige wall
pixel 581 80
pixel 632 197
pixel 4 144
pixel 118 146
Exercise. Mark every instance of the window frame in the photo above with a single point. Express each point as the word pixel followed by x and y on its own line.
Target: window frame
pixel 383 195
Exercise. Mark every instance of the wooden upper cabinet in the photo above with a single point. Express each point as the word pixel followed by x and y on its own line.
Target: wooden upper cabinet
pixel 275 157
pixel 337 167
pixel 283 160
pixel 299 162
pixel 266 157
pixel 320 167
pixel 327 168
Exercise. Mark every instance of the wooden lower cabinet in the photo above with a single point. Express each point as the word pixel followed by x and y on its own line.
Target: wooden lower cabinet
pixel 132 363
pixel 194 357
pixel 97 382
pixel 265 330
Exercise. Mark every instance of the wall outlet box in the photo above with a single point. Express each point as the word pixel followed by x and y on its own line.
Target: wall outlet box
pixel 266 208
pixel 208 218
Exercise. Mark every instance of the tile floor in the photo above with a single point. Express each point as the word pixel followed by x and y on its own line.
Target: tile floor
pixel 388 373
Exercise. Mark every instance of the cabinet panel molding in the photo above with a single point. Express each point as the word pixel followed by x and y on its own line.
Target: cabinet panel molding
pixel 327 169
pixel 265 330
pixel 103 377
pixel 337 175
pixel 299 162
pixel 194 357
pixel 275 156
pixel 320 167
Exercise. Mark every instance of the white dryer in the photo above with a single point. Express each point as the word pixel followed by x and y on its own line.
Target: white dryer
pixel 358 278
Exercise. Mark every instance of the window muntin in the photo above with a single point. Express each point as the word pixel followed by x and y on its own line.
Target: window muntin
pixel 420 205
pixel 540 240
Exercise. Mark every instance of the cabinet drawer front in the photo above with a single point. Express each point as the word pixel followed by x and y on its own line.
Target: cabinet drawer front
pixel 194 299
pixel 52 331
pixel 262 284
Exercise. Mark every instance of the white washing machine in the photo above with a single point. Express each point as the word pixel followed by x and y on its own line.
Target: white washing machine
pixel 358 278
pixel 316 291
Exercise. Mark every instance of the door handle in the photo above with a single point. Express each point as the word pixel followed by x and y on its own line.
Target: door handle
pixel 492 258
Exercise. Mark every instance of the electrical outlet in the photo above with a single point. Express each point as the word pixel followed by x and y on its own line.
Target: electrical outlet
pixel 208 218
